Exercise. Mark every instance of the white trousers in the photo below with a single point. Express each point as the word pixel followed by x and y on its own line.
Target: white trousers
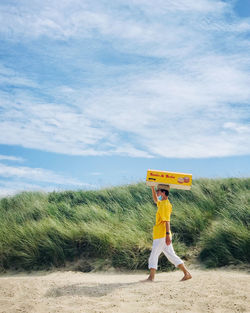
pixel 159 246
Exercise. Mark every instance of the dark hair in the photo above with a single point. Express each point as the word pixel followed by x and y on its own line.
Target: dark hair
pixel 165 191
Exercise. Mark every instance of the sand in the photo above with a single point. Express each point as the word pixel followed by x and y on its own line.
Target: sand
pixel 209 291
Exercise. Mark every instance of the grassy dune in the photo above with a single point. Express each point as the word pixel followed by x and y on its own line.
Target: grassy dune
pixel 113 227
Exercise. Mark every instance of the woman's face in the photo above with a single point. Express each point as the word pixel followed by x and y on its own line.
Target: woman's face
pixel 159 193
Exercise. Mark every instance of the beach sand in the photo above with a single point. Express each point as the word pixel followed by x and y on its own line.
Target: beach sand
pixel 49 292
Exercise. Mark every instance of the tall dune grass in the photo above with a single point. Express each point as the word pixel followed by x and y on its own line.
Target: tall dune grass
pixel 227 241
pixel 113 227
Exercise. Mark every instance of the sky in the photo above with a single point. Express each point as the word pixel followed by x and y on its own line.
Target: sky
pixel 95 93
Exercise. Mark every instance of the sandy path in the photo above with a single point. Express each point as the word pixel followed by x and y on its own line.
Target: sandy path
pixel 209 291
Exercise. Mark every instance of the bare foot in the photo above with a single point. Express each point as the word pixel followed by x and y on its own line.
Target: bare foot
pixel 186 276
pixel 148 280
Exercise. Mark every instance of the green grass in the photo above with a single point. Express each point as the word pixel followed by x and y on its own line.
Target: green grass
pixel 113 227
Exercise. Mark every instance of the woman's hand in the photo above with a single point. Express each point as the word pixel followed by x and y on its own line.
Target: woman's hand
pixel 168 240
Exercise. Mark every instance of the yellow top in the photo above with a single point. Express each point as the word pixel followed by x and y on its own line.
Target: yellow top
pixel 162 215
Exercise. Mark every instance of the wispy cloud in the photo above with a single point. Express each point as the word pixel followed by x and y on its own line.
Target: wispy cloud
pixel 137 78
pixel 11 158
pixel 14 179
pixel 124 19
pixel 37 174
pixel 9 188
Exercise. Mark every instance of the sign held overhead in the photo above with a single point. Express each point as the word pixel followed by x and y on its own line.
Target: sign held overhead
pixel 174 180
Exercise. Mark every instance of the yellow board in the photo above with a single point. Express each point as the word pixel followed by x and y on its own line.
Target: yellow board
pixel 174 180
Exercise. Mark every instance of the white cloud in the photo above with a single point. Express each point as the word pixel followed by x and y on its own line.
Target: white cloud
pixel 15 179
pixel 96 173
pixel 9 188
pixel 37 174
pixel 11 158
pixel 9 77
pixel 121 19
pixel 238 128
pixel 190 99
pixel 174 116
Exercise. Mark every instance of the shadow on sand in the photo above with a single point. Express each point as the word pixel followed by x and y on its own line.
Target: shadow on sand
pixel 90 289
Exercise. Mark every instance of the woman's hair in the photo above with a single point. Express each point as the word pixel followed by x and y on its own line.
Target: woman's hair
pixel 165 191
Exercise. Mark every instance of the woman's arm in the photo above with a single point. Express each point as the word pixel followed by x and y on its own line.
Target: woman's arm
pixel 168 238
pixel 154 194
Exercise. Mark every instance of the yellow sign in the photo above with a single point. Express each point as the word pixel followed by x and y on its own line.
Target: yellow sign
pixel 174 180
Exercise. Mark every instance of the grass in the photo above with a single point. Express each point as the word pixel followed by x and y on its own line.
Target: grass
pixel 113 227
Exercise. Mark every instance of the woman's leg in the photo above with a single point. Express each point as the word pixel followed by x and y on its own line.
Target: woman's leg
pixel 157 249
pixel 174 259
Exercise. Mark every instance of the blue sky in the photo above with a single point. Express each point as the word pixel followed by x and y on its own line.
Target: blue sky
pixel 93 93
